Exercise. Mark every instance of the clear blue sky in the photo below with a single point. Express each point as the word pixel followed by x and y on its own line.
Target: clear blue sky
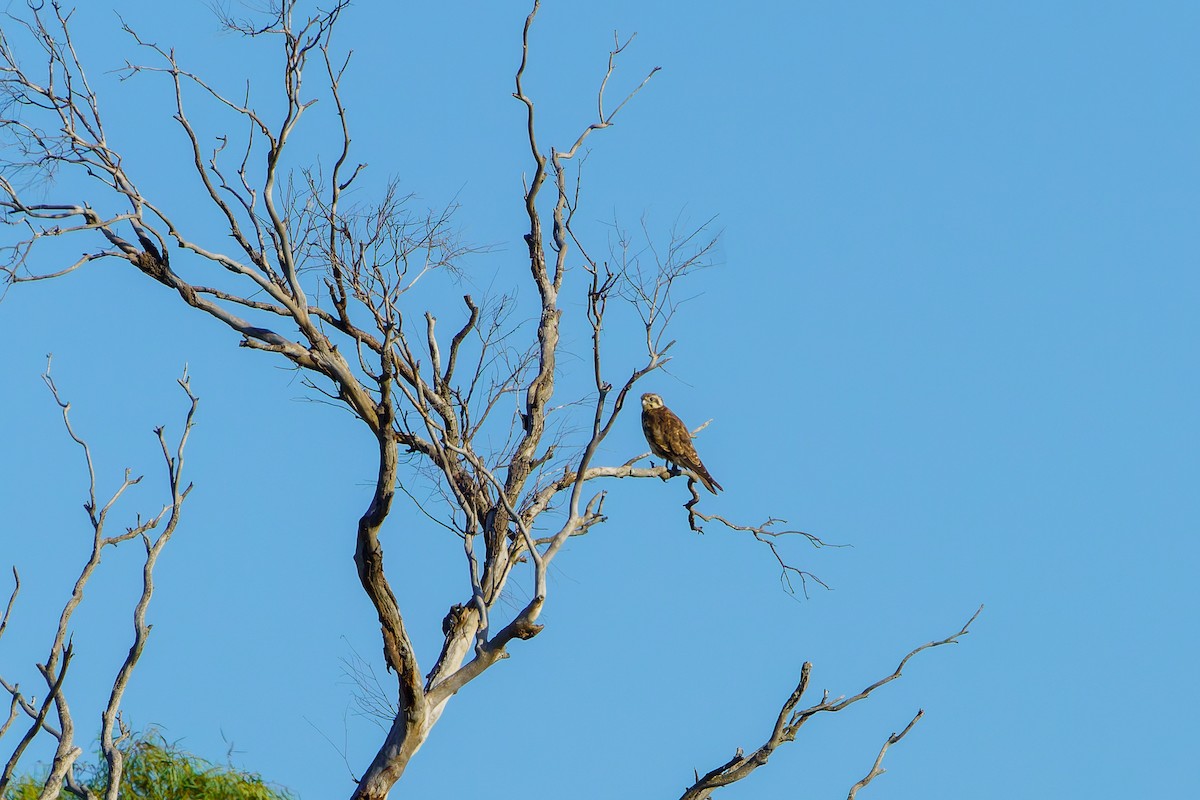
pixel 953 323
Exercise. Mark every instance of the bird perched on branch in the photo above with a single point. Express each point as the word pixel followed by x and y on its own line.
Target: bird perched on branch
pixel 669 439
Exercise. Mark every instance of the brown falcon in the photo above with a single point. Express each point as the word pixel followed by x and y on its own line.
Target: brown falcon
pixel 670 440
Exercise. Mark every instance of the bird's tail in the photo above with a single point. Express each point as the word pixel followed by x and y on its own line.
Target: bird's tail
pixel 708 481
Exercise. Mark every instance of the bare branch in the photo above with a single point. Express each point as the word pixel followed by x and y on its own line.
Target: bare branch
pixel 12 598
pixel 53 696
pixel 877 768
pixel 109 738
pixel 789 721
pixel 52 670
pixel 765 534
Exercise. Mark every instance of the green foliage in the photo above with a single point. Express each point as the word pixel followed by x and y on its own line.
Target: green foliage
pixel 159 770
pixel 23 788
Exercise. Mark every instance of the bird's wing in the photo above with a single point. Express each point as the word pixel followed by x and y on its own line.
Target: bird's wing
pixel 669 438
pixel 677 440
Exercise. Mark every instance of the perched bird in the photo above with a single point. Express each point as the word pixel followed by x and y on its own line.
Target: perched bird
pixel 669 439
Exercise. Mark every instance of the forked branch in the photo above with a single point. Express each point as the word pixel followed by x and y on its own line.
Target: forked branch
pixel 791 718
pixel 53 670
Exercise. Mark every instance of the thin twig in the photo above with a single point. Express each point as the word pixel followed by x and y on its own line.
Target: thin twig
pixel 877 768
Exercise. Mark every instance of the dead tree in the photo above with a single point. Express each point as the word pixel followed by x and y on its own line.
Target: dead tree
pixel 51 715
pixel 333 288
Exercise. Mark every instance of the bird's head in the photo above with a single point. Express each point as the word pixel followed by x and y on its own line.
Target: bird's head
pixel 651 400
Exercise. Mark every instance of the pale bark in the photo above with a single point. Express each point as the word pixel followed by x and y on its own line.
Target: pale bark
pixel 333 290
pixel 154 533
